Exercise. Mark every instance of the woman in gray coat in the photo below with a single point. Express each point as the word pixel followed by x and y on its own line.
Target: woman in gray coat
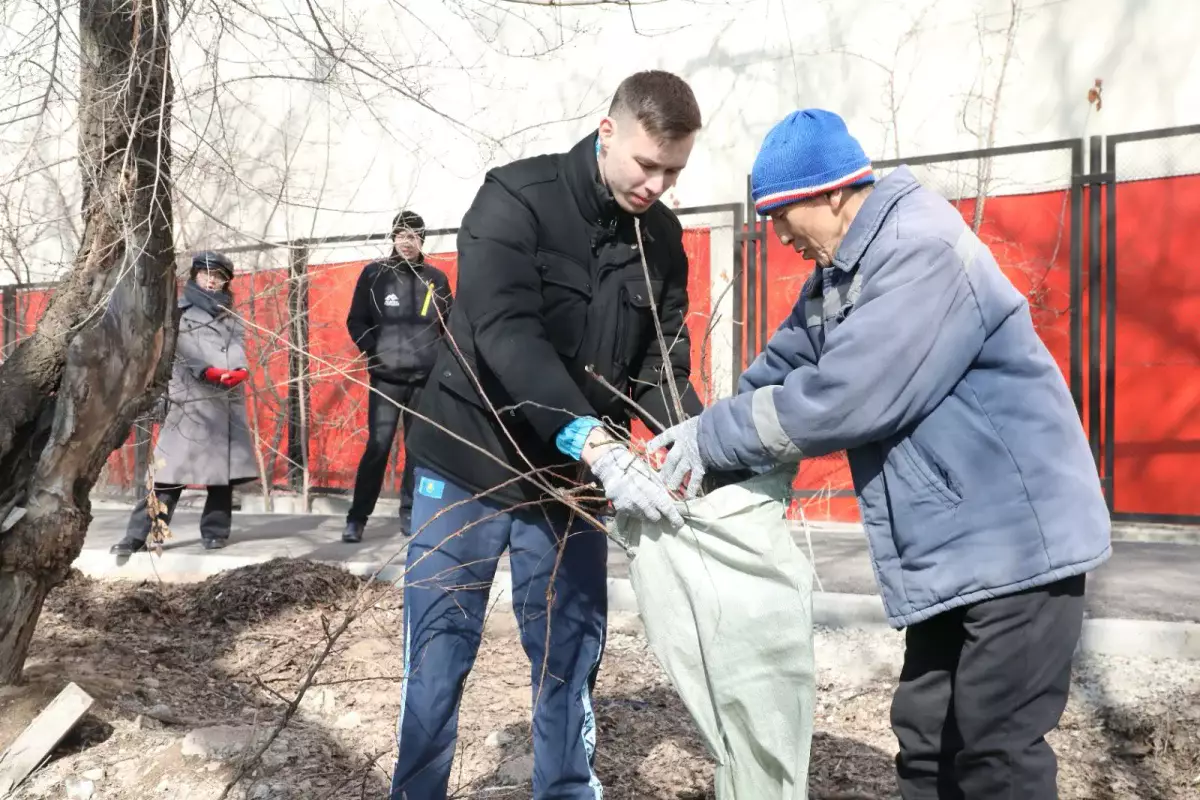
pixel 205 439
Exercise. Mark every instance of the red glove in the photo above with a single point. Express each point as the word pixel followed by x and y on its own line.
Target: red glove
pixel 225 378
pixel 214 375
pixel 232 379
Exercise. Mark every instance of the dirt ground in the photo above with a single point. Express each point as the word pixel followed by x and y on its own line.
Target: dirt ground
pixel 190 679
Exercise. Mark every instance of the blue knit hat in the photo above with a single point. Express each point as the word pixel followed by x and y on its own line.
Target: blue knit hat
pixel 809 153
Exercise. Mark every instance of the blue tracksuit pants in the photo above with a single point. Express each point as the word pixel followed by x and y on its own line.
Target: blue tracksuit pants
pixel 451 563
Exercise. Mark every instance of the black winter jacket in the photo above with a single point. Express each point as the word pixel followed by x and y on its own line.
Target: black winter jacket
pixel 551 287
pixel 396 318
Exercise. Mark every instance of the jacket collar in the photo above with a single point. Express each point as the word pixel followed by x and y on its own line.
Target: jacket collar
pixel 397 261
pixel 879 203
pixel 583 178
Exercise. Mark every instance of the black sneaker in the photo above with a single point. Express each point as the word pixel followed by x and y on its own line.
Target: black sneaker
pixel 354 531
pixel 214 544
pixel 406 521
pixel 128 546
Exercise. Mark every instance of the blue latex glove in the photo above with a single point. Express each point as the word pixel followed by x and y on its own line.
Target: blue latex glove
pixel 684 456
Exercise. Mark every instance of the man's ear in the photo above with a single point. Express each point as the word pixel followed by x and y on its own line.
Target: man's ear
pixel 607 130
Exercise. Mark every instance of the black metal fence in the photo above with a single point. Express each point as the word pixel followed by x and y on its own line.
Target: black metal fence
pixel 1120 365
pixel 295 259
pixel 1072 280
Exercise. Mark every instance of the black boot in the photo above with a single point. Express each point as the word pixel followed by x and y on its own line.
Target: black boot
pixel 406 521
pixel 354 531
pixel 128 546
pixel 215 543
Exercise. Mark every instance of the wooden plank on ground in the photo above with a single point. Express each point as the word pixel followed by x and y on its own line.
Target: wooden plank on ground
pixel 41 736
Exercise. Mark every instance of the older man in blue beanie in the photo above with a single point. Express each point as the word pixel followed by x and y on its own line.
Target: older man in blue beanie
pixel 909 349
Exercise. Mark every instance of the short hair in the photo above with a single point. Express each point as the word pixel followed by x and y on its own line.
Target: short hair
pixel 662 102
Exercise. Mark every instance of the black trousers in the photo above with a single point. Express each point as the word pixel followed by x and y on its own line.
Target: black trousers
pixel 215 519
pixel 383 418
pixel 980 688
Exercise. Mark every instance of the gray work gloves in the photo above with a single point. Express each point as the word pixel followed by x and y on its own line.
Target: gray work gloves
pixel 683 458
pixel 633 487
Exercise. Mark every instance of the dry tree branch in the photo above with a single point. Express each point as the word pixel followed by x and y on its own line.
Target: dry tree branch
pixel 625 398
pixel 532 475
pixel 332 634
pixel 667 370
pixel 984 167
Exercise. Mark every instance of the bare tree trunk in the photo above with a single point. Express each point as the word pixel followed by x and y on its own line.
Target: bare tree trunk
pixel 71 390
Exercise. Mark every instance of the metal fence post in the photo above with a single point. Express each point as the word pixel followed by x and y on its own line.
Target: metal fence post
pixel 764 286
pixel 141 455
pixel 1075 366
pixel 8 331
pixel 750 308
pixel 1095 287
pixel 298 379
pixel 739 239
pixel 1110 314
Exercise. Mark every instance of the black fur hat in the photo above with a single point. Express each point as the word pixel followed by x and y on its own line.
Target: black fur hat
pixel 212 260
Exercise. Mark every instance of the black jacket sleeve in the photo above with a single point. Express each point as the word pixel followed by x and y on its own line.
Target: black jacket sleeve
pixel 650 389
pixel 360 321
pixel 500 293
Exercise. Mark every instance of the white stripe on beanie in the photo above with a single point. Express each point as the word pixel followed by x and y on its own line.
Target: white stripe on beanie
pixel 800 193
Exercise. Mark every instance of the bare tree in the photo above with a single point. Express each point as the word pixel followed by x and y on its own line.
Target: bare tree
pixel 71 389
pixel 989 106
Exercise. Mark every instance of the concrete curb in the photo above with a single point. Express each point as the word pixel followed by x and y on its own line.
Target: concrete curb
pixel 333 505
pixel 1127 638
pixel 1141 638
pixel 319 505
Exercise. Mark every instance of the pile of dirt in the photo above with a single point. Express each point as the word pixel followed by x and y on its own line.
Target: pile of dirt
pixel 247 594
pixel 191 679
pixel 260 591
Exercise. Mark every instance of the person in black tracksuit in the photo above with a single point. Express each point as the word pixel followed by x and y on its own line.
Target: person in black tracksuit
pixel 553 303
pixel 397 317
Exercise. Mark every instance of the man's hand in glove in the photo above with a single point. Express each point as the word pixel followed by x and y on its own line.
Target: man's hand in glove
pixel 629 482
pixel 684 457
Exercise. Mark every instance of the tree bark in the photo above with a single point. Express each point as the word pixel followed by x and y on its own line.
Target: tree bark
pixel 71 391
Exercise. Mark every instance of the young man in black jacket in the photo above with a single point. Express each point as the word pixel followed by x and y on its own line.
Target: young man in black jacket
pixel 552 347
pixel 396 319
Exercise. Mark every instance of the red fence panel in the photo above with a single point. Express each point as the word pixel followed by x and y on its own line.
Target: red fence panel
pixel 1157 379
pixel 261 301
pixel 338 429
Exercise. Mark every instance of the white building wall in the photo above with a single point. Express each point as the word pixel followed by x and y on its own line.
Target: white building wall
pixel 265 159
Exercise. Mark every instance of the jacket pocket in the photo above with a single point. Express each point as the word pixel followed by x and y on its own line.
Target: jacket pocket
pixel 566 294
pixel 931 474
pixel 635 330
